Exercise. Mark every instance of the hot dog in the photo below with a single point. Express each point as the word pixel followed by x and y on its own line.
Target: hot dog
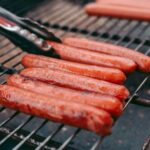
pixel 142 60
pixel 131 3
pixel 117 11
pixel 103 73
pixel 93 58
pixel 107 103
pixel 74 81
pixel 78 115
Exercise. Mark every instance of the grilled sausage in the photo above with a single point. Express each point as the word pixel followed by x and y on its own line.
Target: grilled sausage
pixel 131 3
pixel 103 73
pixel 76 81
pixel 78 115
pixel 107 103
pixel 93 58
pixel 142 60
pixel 117 11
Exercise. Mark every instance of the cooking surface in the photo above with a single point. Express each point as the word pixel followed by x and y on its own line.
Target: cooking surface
pixel 67 18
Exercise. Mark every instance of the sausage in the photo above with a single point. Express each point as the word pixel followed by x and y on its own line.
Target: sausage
pixel 93 58
pixel 142 60
pixel 78 115
pixel 108 103
pixel 74 81
pixel 102 73
pixel 131 3
pixel 117 11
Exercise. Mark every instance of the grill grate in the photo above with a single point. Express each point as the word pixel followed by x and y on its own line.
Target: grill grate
pixel 67 18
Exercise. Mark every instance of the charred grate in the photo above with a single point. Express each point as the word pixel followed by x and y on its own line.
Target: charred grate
pixel 62 20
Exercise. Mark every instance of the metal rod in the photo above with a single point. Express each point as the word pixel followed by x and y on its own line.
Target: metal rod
pixel 48 138
pixel 136 91
pixel 97 143
pixel 28 136
pixel 9 118
pixel 71 137
pixel 15 130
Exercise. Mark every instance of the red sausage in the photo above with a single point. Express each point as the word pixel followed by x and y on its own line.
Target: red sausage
pixel 131 3
pixel 102 73
pixel 78 115
pixel 76 81
pixel 117 11
pixel 142 60
pixel 93 58
pixel 107 103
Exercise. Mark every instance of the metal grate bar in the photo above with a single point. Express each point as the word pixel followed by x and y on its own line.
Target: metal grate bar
pixel 147 52
pixel 129 28
pixel 121 24
pixel 56 14
pixel 136 91
pixel 146 146
pixel 73 17
pixel 9 118
pixel 9 47
pixel 97 143
pixel 15 130
pixel 3 42
pixel 122 37
pixel 139 30
pixel 71 137
pixel 29 135
pixel 59 13
pixel 42 144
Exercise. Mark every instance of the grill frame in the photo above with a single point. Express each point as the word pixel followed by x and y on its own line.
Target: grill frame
pixel 60 28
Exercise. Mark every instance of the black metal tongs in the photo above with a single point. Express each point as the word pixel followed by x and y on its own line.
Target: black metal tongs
pixel 29 35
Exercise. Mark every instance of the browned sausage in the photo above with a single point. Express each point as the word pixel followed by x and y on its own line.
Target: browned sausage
pixel 142 60
pixel 78 115
pixel 117 11
pixel 103 73
pixel 76 81
pixel 108 103
pixel 131 3
pixel 93 58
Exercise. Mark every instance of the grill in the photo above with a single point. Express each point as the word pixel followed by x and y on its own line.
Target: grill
pixel 131 131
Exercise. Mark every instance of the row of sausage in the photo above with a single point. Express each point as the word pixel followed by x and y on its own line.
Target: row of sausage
pixel 83 89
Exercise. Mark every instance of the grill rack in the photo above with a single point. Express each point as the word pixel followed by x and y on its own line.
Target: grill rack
pixel 60 29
